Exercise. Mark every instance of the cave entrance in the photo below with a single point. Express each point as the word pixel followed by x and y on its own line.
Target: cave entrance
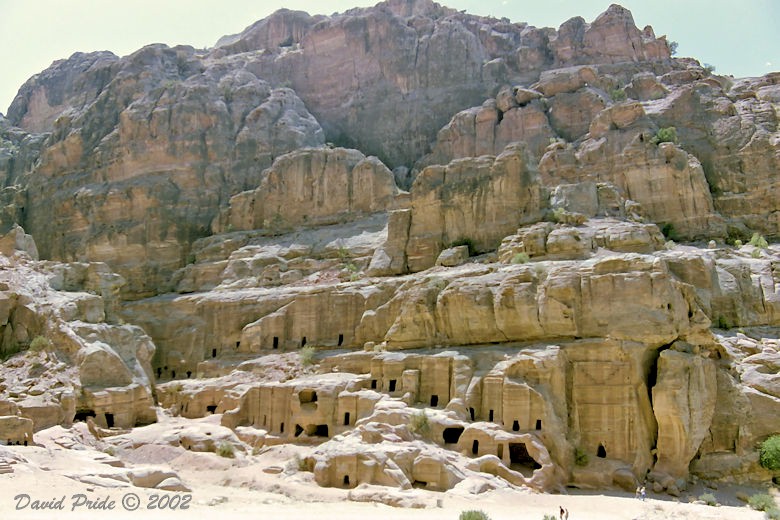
pixel 212 408
pixel 601 452
pixel 538 424
pixel 520 460
pixel 392 385
pixel 434 400
pixel 341 339
pixel 373 384
pixel 490 416
pixel 317 430
pixel 276 342
pixel 81 415
pixel 346 418
pixel 475 447
pixel 345 480
pixel 303 342
pixel 298 430
pixel 516 426
pixel 109 419
pixel 452 435
pixel 471 413
pixel 213 353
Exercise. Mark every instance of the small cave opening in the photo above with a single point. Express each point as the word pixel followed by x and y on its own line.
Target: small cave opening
pixel 475 447
pixel 307 396
pixel 159 372
pixel 298 430
pixel 346 418
pixel 520 459
pixel 281 428
pixel 341 339
pixel 173 374
pixel 345 480
pixel 601 452
pixel 213 353
pixel 373 384
pixel 238 344
pixel 212 408
pixel 303 342
pixel 276 342
pixel 452 434
pixel 189 374
pixel 538 424
pixel 434 400
pixel 490 416
pixel 419 484
pixel 515 425
pixel 109 419
pixel 472 413
pixel 81 415
pixel 391 388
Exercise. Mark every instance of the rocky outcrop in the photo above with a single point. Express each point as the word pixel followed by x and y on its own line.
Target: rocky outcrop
pixel 313 188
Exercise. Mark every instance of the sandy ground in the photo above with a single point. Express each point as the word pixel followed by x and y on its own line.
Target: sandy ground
pixel 258 487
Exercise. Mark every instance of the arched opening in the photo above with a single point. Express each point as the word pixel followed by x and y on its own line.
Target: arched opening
pixel 392 385
pixel 212 408
pixel 213 353
pixel 452 435
pixel 601 452
pixel 520 460
pixel 346 418
pixel 475 447
pixel 345 480
pixel 341 339
pixel 81 415
pixel 109 419
pixel 276 342
pixel 538 424
pixel 516 426
pixel 189 374
pixel 434 400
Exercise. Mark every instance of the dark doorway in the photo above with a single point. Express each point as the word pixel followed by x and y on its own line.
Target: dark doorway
pixel 346 480
pixel 189 374
pixel 212 408
pixel 516 426
pixel 538 424
pixel 276 342
pixel 303 342
pixel 281 428
pixel 490 416
pixel 109 420
pixel 373 384
pixel 601 452
pixel 346 418
pixel 475 447
pixel 213 352
pixel 434 400
pixel 298 430
pixel 159 372
pixel 518 454
pixel 471 413
pixel 392 385
pixel 238 344
pixel 81 415
pixel 173 374
pixel 321 430
pixel 341 339
pixel 452 435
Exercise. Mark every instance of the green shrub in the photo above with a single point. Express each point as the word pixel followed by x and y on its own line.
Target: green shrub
pixel 709 499
pixel 521 258
pixel 722 323
pixel 558 214
pixel 618 95
pixel 419 424
pixel 762 502
pixel 667 228
pixel 226 449
pixel 709 67
pixel 580 457
pixel 39 344
pixel 773 514
pixel 756 253
pixel 473 514
pixel 758 241
pixel 672 47
pixel 770 453
pixel 665 135
pixel 738 243
pixel 306 355
pixel 550 517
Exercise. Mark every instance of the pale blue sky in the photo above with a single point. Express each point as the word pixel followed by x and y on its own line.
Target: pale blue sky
pixel 739 38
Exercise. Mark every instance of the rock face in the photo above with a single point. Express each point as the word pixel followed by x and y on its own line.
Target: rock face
pixel 239 253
